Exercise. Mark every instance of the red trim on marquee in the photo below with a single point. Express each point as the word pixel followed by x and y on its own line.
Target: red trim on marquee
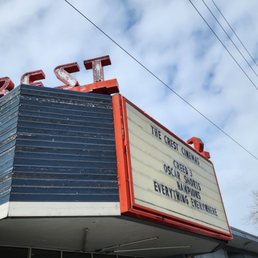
pixel 127 203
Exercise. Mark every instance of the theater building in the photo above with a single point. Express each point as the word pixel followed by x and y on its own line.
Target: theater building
pixel 86 173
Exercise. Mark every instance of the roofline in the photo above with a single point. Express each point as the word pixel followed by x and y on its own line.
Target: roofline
pixel 243 234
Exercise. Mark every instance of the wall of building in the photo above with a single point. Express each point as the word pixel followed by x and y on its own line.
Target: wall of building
pixel 57 150
pixel 64 148
pixel 15 252
pixel 9 106
pixel 221 253
pixel 230 255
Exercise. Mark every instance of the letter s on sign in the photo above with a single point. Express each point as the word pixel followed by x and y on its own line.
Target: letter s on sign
pixel 6 85
pixel 62 72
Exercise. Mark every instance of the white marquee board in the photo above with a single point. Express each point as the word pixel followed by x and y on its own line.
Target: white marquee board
pixel 170 177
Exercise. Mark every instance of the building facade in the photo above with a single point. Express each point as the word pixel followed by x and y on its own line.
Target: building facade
pixel 91 175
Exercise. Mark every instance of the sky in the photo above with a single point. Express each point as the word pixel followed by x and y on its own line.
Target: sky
pixel 170 38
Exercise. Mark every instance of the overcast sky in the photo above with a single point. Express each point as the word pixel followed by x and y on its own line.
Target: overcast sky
pixel 173 41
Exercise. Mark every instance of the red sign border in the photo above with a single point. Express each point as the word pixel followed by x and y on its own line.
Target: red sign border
pixel 127 205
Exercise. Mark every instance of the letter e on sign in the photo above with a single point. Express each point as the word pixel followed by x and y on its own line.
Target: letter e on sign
pixel 32 78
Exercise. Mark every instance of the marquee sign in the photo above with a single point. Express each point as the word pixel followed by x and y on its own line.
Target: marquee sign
pixel 162 178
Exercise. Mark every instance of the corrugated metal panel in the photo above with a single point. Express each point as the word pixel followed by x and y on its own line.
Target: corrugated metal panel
pixel 65 148
pixel 9 105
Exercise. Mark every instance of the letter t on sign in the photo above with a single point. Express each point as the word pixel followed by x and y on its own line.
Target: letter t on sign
pixel 96 65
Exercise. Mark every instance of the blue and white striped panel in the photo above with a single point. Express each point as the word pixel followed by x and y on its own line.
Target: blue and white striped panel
pixel 65 160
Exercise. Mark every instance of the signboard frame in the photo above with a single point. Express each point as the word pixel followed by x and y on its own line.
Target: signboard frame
pixel 126 189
